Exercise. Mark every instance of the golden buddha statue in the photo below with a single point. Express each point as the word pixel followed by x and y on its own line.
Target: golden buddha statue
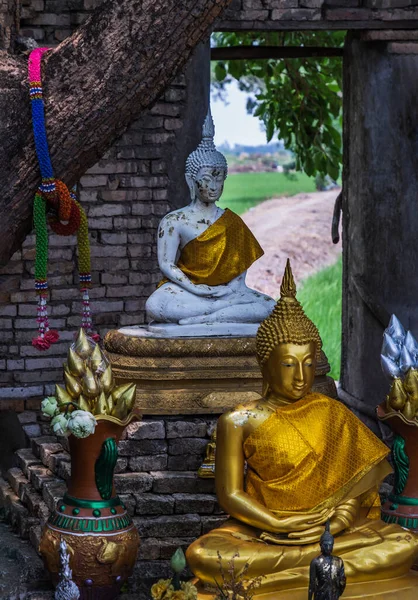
pixel 207 468
pixel 309 459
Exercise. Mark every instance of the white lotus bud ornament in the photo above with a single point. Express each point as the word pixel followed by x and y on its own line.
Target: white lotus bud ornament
pixel 59 425
pixel 390 348
pixel 81 423
pixel 49 406
pixel 406 361
pixel 395 330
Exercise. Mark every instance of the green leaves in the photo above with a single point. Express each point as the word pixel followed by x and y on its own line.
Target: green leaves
pixel 299 100
pixel 220 71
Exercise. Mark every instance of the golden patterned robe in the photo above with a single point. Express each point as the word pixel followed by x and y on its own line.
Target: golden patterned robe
pixel 309 455
pixel 221 253
pixel 313 453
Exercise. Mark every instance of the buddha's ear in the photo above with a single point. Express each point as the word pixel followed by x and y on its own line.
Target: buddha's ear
pixel 266 389
pixel 190 183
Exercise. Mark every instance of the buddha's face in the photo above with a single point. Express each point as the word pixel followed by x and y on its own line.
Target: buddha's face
pixel 327 547
pixel 209 184
pixel 290 370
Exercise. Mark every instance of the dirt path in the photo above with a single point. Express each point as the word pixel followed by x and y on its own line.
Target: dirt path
pixel 298 227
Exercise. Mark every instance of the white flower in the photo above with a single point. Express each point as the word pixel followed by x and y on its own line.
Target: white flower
pixel 59 425
pixel 49 406
pixel 81 423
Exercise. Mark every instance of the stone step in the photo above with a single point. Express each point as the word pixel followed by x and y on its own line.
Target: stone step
pixel 22 574
pixel 17 480
pixel 26 459
pixel 43 440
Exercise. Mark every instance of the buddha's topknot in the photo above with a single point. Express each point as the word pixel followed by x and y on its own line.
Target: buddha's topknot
pixel 287 323
pixel 206 154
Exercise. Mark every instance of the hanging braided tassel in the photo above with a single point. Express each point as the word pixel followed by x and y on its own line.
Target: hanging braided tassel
pixel 62 205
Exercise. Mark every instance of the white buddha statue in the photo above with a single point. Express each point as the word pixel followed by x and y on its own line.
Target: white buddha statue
pixel 204 253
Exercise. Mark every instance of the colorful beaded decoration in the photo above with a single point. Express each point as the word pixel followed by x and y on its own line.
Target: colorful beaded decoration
pixel 53 204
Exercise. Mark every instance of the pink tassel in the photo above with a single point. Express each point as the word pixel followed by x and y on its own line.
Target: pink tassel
pixel 96 337
pixel 41 343
pixel 52 336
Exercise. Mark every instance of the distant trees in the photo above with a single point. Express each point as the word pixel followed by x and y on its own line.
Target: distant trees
pixel 299 99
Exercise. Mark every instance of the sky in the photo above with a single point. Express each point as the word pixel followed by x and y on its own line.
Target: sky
pixel 232 122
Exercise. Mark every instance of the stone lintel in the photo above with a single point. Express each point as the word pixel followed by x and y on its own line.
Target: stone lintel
pixel 331 18
pixel 390 35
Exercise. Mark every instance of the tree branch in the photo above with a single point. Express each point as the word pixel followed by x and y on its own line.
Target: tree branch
pixel 96 83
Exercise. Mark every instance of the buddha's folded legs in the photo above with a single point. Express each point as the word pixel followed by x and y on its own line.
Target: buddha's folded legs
pixel 172 304
pixel 236 313
pixel 369 550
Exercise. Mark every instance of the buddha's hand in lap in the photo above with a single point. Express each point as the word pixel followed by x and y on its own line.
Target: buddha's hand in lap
pixel 212 291
pixel 297 521
pixel 342 518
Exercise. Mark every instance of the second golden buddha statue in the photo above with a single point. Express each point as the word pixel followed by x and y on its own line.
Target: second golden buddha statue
pixel 309 459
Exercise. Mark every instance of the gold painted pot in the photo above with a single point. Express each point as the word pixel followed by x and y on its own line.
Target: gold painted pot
pixel 402 505
pixel 100 535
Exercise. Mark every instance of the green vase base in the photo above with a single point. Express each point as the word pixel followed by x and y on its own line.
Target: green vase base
pixel 94 524
pixel 92 504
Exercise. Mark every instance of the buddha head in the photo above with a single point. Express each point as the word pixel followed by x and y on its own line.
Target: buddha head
pixel 288 346
pixel 206 168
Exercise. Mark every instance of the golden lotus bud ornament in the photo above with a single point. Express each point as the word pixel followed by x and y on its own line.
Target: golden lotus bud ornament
pixel 397 395
pixel 96 359
pixel 90 385
pixel 72 385
pixel 110 403
pixel 118 391
pixel 75 363
pixel 128 397
pixel 101 406
pixel 83 403
pixel 409 410
pixel 82 345
pixel 62 396
pixel 106 380
pixel 410 385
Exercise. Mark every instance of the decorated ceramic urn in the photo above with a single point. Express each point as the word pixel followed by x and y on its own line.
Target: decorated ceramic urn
pixel 400 412
pixel 100 536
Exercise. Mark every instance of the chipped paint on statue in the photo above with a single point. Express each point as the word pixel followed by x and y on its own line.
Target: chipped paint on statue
pixel 196 298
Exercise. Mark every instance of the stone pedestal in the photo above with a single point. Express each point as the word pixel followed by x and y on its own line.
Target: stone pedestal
pixel 193 375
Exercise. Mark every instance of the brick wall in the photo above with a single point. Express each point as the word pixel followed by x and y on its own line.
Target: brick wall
pixel 319 14
pixel 125 195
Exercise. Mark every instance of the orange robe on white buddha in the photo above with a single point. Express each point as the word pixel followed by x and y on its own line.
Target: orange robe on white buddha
pixel 225 250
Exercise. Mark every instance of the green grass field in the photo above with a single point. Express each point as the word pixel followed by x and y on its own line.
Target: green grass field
pixel 245 190
pixel 320 296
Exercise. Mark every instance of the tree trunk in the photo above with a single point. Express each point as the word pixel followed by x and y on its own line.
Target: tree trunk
pixel 380 210
pixel 95 84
